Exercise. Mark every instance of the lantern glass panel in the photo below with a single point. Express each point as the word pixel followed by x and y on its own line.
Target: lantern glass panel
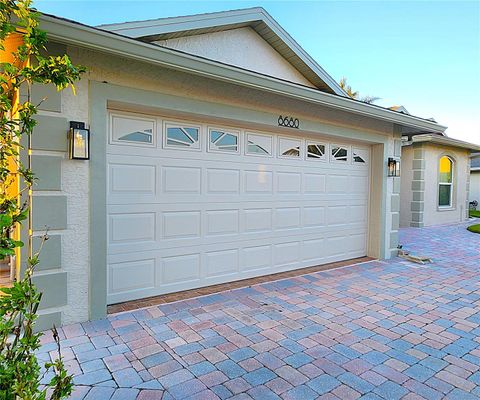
pixel 80 144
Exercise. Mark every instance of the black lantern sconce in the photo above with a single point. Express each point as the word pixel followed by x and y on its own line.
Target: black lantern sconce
pixel 79 141
pixel 393 167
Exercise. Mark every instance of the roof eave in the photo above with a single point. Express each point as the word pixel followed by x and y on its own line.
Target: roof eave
pixel 444 140
pixel 74 33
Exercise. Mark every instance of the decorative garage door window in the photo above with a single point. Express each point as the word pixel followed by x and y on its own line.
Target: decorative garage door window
pixel 259 145
pixel 316 151
pixel 339 153
pixel 181 136
pixel 289 147
pixel 220 140
pixel 360 156
pixel 128 130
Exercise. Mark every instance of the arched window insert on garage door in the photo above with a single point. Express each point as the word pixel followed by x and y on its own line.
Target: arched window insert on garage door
pixel 339 153
pixel 129 130
pixel 289 147
pixel 445 182
pixel 221 140
pixel 316 151
pixel 181 136
pixel 259 145
pixel 360 156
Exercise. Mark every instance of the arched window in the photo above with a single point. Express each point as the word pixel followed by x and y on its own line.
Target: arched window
pixel 445 183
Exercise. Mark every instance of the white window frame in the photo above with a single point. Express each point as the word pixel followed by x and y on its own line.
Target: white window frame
pixel 127 115
pixel 450 206
pixel 247 153
pixel 313 142
pixel 344 146
pixel 177 124
pixel 224 130
pixel 300 148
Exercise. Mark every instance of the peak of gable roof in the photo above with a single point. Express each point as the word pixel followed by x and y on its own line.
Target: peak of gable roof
pixel 256 18
pixel 400 109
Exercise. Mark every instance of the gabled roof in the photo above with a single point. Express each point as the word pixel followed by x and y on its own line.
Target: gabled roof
pixel 256 18
pixel 400 109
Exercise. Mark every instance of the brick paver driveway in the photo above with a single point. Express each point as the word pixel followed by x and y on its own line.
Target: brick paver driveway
pixel 379 330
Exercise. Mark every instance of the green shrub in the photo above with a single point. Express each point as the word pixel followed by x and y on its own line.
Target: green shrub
pixel 20 371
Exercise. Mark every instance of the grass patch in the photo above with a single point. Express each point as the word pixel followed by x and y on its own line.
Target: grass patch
pixel 475 213
pixel 474 228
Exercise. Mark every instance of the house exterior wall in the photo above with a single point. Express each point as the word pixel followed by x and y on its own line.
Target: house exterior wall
pixel 241 47
pixel 420 185
pixel 406 191
pixel 475 187
pixel 73 193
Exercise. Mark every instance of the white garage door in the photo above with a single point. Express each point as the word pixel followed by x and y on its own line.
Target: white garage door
pixel 192 204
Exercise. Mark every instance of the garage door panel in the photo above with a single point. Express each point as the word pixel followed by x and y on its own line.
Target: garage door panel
pixel 181 224
pixel 132 227
pixel 287 218
pixel 314 216
pixel 180 219
pixel 180 269
pixel 222 262
pixel 185 180
pixel 314 183
pixel 257 219
pixel 222 222
pixel 358 184
pixel 286 253
pixel 357 243
pixel 337 183
pixel 289 182
pixel 131 276
pixel 313 250
pixel 337 215
pixel 256 258
pixel 336 246
pixel 258 182
pixel 127 178
pixel 221 181
pixel 358 213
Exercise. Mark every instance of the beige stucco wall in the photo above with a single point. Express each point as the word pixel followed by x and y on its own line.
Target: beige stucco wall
pixel 76 241
pixel 475 187
pixel 241 47
pixel 420 174
pixel 406 193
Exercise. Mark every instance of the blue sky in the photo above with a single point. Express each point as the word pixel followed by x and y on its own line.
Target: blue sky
pixel 424 55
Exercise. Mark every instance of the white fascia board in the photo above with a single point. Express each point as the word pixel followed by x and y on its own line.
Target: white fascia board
pixel 73 33
pixel 443 140
pixel 137 29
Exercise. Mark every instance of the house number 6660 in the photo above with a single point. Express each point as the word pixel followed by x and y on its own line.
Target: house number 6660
pixel 288 122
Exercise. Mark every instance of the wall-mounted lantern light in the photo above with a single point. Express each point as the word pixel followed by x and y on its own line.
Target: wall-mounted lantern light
pixel 393 166
pixel 79 141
